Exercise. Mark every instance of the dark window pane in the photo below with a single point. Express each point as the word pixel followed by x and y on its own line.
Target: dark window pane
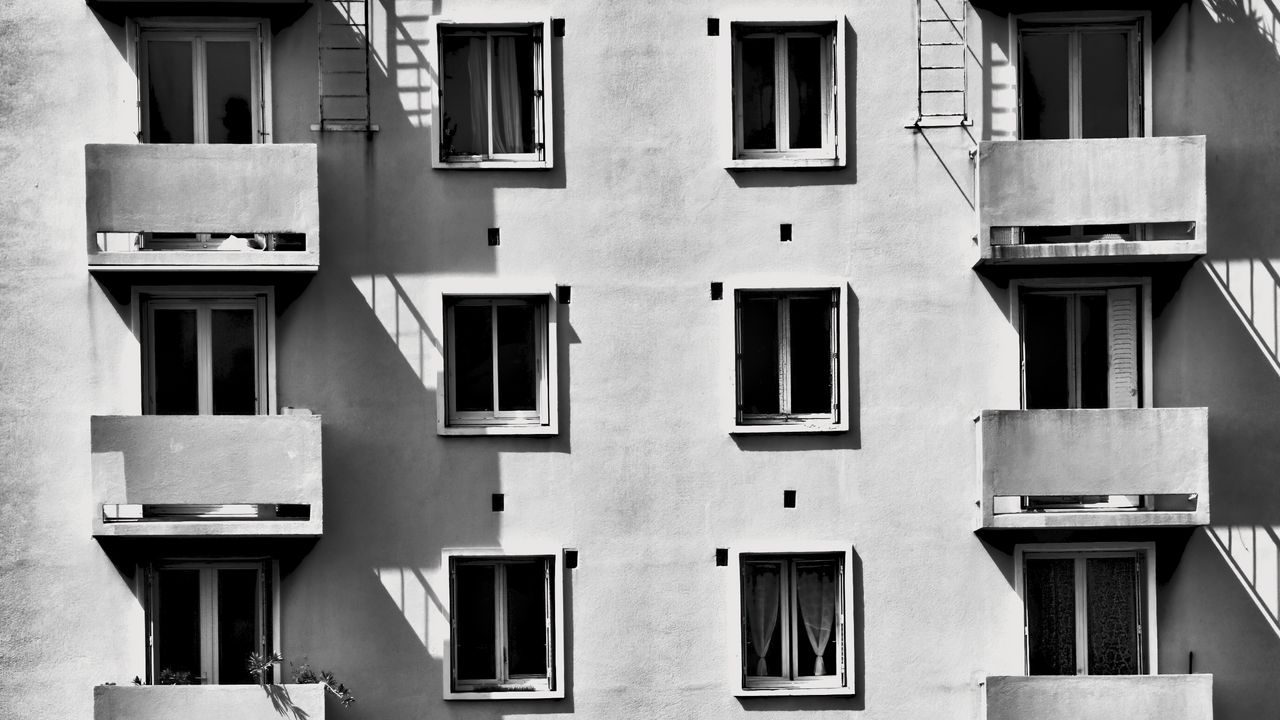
pixel 817 595
pixel 1045 348
pixel 230 87
pixel 465 122
pixel 1049 234
pixel 513 94
pixel 237 624
pixel 762 607
pixel 526 619
pixel 473 358
pixel 1092 329
pixel 234 362
pixel 173 353
pixel 758 94
pixel 758 329
pixel 1104 84
pixel 170 97
pixel 1045 93
pixel 811 379
pixel 473 622
pixel 1051 616
pixel 804 97
pixel 177 641
pixel 1122 229
pixel 1112 590
pixel 517 358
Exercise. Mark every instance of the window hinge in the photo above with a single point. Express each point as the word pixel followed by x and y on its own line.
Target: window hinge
pixel 539 147
pixel 537 93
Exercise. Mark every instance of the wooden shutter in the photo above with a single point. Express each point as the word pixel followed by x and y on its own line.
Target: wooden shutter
pixel 1123 344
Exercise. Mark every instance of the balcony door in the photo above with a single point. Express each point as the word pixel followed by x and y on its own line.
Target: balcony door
pixel 1080 80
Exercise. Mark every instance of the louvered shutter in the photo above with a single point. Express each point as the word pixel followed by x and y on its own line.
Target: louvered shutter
pixel 1123 347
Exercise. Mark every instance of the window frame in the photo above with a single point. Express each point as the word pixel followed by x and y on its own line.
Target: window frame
pixel 556 680
pixel 838 420
pixel 256 30
pixel 777 22
pixel 543 115
pixel 845 621
pixel 260 299
pixel 1149 643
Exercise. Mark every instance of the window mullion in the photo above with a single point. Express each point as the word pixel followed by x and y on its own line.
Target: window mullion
pixel 204 358
pixel 782 93
pixel 1082 618
pixel 490 49
pixel 200 101
pixel 1073 351
pixel 493 327
pixel 789 649
pixel 1075 48
pixel 784 356
pixel 500 619
pixel 834 337
pixel 208 625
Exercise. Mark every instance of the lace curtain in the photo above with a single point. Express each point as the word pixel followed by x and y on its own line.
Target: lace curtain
pixel 508 122
pixel 762 598
pixel 816 590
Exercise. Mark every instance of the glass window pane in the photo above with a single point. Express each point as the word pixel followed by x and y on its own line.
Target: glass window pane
pixel 173 356
pixel 517 358
pixel 170 97
pixel 1045 348
pixel 1094 352
pixel 177 639
pixel 473 358
pixel 758 328
pixel 805 91
pixel 526 618
pixel 1112 590
pixel 758 94
pixel 1104 84
pixel 474 642
pixel 465 122
pixel 811 380
pixel 230 91
pixel 1051 616
pixel 1045 91
pixel 817 595
pixel 762 603
pixel 234 362
pixel 513 94
pixel 237 624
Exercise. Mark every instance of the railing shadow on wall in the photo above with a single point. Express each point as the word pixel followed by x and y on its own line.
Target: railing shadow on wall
pixel 1253 554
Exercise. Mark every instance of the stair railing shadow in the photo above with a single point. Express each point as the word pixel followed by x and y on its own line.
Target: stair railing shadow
pixel 1253 554
pixel 283 704
pixel 1252 287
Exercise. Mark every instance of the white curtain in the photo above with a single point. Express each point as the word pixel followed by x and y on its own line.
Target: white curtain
pixel 816 588
pixel 762 611
pixel 476 80
pixel 508 122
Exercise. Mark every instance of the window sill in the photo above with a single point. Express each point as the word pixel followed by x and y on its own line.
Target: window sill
pixel 783 163
pixel 493 165
pixel 780 428
pixel 532 430
pixel 795 692
pixel 506 695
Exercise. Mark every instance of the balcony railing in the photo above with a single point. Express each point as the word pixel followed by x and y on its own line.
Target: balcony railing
pixel 207 475
pixel 1066 468
pixel 208 702
pixel 202 207
pixel 1068 697
pixel 1102 200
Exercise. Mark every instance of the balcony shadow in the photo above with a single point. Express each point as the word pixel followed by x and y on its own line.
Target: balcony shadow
pixel 283 704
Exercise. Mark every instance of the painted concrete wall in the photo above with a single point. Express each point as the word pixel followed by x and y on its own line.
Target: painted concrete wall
pixel 1171 697
pixel 638 216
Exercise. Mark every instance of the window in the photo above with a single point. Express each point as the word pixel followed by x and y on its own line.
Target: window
pixel 1088 612
pixel 788 351
pixel 786 80
pixel 206 353
pixel 500 364
pixel 793 611
pixel 206 618
pixel 202 83
pixel 505 634
pixel 493 97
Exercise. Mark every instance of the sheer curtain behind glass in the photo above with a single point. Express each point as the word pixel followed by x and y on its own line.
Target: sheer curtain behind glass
pixel 816 589
pixel 762 600
pixel 512 95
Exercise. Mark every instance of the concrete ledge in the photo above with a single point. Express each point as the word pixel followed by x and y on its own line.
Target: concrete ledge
pixel 1100 697
pixel 207 460
pixel 1160 452
pixel 208 702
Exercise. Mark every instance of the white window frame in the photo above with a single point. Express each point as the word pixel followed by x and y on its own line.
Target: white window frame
pixel 1150 643
pixel 269 613
pixel 546 420
pixel 543 114
pixel 556 680
pixel 838 420
pixel 844 683
pixel 777 22
pixel 1016 287
pixel 256 30
pixel 260 299
pixel 1046 19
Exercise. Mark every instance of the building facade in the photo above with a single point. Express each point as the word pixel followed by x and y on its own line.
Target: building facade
pixel 909 359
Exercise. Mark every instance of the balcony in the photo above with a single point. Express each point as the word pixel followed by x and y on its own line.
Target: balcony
pixel 1031 459
pixel 208 702
pixel 1061 192
pixel 202 207
pixel 206 476
pixel 1067 697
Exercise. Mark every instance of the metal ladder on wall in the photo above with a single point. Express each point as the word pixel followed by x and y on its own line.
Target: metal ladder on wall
pixel 943 67
pixel 342 41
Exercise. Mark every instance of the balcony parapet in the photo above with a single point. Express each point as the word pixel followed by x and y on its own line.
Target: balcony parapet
pixel 208 702
pixel 1078 697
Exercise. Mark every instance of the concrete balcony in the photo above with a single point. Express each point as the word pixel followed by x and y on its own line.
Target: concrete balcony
pixel 208 702
pixel 206 476
pixel 1154 185
pixel 1090 697
pixel 202 207
pixel 1158 455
